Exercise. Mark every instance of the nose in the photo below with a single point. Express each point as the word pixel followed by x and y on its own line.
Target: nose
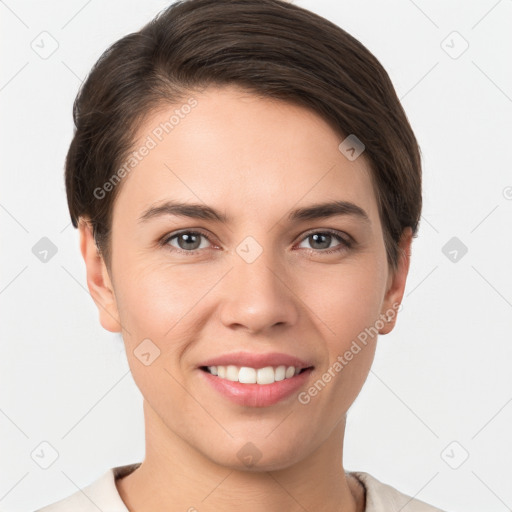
pixel 257 296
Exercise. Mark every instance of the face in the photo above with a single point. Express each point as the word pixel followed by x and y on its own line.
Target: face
pixel 222 258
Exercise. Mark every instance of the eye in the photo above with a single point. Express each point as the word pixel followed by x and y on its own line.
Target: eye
pixel 190 242
pixel 321 240
pixel 186 241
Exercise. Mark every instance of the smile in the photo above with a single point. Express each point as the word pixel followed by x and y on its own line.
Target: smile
pixel 248 375
pixel 256 387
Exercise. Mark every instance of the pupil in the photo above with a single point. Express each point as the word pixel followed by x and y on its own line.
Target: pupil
pixel 316 236
pixel 188 240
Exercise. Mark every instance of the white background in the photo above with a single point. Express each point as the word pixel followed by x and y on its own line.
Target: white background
pixel 442 375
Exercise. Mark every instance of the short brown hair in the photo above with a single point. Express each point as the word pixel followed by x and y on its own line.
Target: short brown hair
pixel 269 47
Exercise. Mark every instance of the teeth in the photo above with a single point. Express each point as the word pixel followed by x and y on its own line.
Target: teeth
pixel 232 373
pixel 246 375
pixel 280 373
pixel 267 375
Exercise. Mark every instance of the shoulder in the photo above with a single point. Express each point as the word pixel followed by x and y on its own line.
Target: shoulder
pixel 381 496
pixel 101 495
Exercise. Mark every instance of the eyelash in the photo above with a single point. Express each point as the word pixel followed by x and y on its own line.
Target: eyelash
pixel 346 242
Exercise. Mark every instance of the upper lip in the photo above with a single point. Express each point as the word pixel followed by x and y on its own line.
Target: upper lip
pixel 254 360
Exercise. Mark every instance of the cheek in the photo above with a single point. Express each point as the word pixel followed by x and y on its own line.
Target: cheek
pixel 155 305
pixel 345 300
pixel 164 303
pixel 346 303
pixel 151 303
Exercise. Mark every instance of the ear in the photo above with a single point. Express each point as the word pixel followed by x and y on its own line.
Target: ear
pixel 396 283
pixel 98 279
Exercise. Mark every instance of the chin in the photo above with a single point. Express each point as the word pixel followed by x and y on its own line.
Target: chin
pixel 257 455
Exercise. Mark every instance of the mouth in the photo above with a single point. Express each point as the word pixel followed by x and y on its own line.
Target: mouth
pixel 249 375
pixel 256 380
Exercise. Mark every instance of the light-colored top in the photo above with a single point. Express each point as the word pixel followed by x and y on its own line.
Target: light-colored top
pixel 103 495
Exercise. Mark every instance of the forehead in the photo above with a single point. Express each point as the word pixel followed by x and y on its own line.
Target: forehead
pixel 242 153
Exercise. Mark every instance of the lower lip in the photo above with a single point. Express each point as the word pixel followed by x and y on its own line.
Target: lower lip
pixel 257 395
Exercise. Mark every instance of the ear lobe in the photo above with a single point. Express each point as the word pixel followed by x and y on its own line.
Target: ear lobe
pixel 396 286
pixel 98 279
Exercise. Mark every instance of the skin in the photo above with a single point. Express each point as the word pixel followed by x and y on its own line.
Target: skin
pixel 255 160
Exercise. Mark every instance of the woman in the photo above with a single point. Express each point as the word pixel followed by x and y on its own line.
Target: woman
pixel 272 144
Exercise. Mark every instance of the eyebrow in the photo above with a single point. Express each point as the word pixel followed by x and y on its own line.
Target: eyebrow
pixel 204 212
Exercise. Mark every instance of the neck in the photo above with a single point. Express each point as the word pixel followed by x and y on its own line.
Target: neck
pixel 176 477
